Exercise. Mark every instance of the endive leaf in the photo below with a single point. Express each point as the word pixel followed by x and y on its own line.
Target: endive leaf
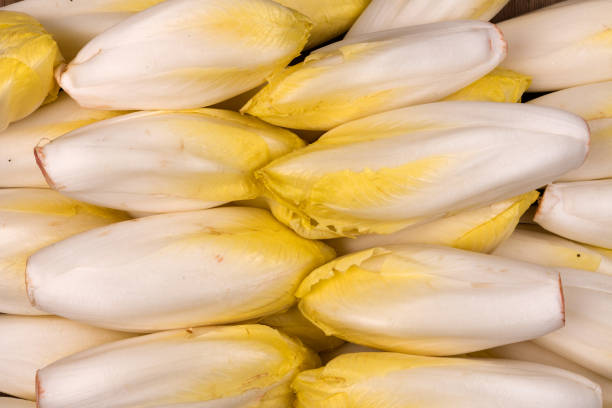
pixel 178 270
pixel 368 380
pixel 72 23
pixel 17 164
pixel 386 14
pixel 368 74
pixel 540 247
pixel 330 18
pixel 29 343
pixel 592 102
pixel 232 366
pixel 529 351
pixel 480 230
pixel 431 300
pixel 16 403
pixel 32 219
pixel 585 339
pixel 164 161
pixel 208 67
pixel 579 211
pixel 400 168
pixel 28 56
pixel 499 85
pixel 563 45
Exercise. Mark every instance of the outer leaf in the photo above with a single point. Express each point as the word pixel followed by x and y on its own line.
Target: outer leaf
pixel 592 102
pixel 30 343
pixel 564 45
pixel 164 161
pixel 388 171
pixel 480 230
pixel 216 266
pixel 330 18
pixel 217 367
pixel 368 74
pixel 368 380
pixel 72 23
pixel 386 14
pixel 529 351
pixel 431 300
pixel 542 248
pixel 17 164
pixel 579 211
pixel 28 56
pixel 32 219
pixel 226 47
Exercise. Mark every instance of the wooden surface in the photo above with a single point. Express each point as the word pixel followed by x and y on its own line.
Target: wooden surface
pixel 514 8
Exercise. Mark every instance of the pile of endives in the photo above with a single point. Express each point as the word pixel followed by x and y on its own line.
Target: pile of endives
pixel 199 219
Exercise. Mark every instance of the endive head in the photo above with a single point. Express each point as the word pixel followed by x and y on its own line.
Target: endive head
pixel 329 18
pixel 404 167
pixel 231 366
pixel 592 101
pixel 209 66
pixel 579 211
pixel 431 300
pixel 29 343
pixel 391 379
pixel 386 14
pixel 529 351
pixel 588 299
pixel 72 23
pixel 234 264
pixel 28 56
pixel 364 75
pixel 32 219
pixel 17 163
pixel 293 323
pixel 164 161
pixel 479 230
pixel 561 46
pixel 540 247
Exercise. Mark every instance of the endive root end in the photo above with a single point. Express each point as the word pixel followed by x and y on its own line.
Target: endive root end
pixel 39 390
pixel 39 154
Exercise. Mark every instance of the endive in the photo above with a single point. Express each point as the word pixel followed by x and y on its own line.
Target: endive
pixel 6 402
pixel 529 351
pixel 29 343
pixel 234 366
pixel 17 164
pixel 480 230
pixel 74 22
pixel 431 300
pixel 543 248
pixel 563 45
pixel 32 219
pixel 593 103
pixel 330 18
pixel 586 338
pixel 364 380
pixel 293 323
pixel 386 14
pixel 176 270
pixel 346 348
pixel 367 74
pixel 164 161
pixel 579 211
pixel 28 56
pixel 184 54
pixel 499 85
pixel 388 171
